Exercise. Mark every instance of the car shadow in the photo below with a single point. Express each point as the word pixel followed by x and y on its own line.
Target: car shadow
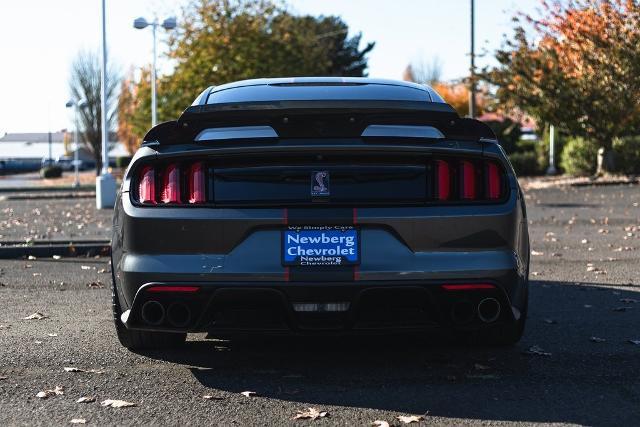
pixel 561 371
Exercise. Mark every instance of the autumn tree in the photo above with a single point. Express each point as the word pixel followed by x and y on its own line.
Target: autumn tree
pixel 84 83
pixel 220 41
pixel 577 67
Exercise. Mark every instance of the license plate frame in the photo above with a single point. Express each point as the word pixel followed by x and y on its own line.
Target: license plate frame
pixel 343 239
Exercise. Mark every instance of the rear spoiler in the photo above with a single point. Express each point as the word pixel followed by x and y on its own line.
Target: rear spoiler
pixel 321 119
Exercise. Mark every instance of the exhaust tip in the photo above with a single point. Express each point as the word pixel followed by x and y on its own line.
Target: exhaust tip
pixel 462 312
pixel 489 310
pixel 153 313
pixel 179 315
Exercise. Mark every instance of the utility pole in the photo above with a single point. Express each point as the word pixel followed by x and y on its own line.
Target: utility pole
pixel 552 151
pixel 105 183
pixel 472 83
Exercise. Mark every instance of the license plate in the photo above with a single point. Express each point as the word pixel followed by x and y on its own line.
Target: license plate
pixel 320 245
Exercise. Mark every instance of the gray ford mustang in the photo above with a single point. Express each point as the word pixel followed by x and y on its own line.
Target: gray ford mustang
pixel 319 206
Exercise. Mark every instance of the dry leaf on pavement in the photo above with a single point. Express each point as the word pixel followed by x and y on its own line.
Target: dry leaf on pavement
pixel 2 377
pixel 249 393
pixel 86 399
pixel 596 339
pixel 59 390
pixel 379 423
pixel 88 371
pixel 78 421
pixel 117 403
pixel 410 418
pixel 538 351
pixel 310 414
pixel 95 285
pixel 35 316
pixel 210 397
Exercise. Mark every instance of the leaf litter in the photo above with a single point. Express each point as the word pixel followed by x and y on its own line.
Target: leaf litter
pixel 117 403
pixel 310 414
pixel 88 371
pixel 45 394
pixel 35 316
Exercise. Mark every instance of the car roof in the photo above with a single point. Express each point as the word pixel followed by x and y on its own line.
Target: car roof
pixel 316 88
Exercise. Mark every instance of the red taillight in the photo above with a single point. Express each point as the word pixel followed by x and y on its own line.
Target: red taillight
pixel 147 186
pixel 468 286
pixel 444 180
pixel 468 176
pixel 171 185
pixel 494 184
pixel 196 183
pixel 173 289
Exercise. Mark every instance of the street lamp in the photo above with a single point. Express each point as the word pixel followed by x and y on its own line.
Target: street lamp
pixel 76 105
pixel 167 24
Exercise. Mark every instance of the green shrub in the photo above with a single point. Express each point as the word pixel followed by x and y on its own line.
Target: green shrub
pixel 51 172
pixel 579 157
pixel 123 161
pixel 627 150
pixel 525 163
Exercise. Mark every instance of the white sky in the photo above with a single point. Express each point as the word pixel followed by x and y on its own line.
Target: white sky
pixel 39 39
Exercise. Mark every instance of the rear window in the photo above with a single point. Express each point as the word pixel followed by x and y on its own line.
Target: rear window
pixel 297 92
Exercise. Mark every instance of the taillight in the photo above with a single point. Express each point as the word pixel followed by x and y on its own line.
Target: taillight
pixel 196 183
pixel 468 178
pixel 494 182
pixel 171 185
pixel 147 186
pixel 443 178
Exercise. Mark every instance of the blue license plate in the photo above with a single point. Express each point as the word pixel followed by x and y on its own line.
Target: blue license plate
pixel 320 245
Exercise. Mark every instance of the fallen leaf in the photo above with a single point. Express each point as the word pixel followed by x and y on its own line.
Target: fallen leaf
pixel 5 326
pixel 56 257
pixel 628 300
pixel 102 270
pixel 3 377
pixel 410 418
pixel 210 397
pixel 249 393
pixel 85 267
pixel 95 285
pixel 59 390
pixel 35 316
pixel 310 414
pixel 78 421
pixel 538 351
pixel 550 322
pixel 37 274
pixel 86 399
pixel 584 241
pixel 31 258
pixel 52 335
pixel 379 423
pixel 621 309
pixel 117 403
pixel 596 339
pixel 536 253
pixel 588 306
pixel 88 371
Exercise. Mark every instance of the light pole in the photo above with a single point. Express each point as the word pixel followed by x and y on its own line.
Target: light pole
pixel 472 86
pixel 105 183
pixel 77 105
pixel 167 24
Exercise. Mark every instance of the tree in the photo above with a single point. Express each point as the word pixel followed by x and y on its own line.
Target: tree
pixel 423 72
pixel 84 83
pixel 221 41
pixel 578 68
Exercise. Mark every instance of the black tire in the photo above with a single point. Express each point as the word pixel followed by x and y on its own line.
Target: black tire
pixel 141 340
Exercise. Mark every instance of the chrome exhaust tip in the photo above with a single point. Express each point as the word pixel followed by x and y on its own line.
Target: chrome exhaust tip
pixel 489 310
pixel 179 315
pixel 462 312
pixel 153 313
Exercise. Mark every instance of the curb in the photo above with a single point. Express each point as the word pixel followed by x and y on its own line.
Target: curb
pixel 48 250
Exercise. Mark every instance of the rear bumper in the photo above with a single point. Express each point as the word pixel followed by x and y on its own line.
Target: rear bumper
pixel 274 308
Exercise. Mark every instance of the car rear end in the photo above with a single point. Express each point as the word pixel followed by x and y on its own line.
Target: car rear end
pixel 320 215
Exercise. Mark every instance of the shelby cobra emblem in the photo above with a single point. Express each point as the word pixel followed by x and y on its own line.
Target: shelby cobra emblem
pixel 319 183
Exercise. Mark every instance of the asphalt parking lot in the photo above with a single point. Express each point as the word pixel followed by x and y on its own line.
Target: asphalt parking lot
pixel 578 363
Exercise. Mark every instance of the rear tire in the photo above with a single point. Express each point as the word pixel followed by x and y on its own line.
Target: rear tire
pixel 141 340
